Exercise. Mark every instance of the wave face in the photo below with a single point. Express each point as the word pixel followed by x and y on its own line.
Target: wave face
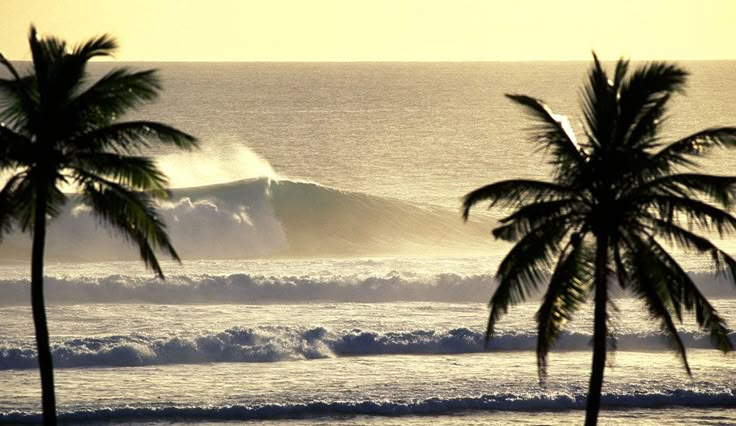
pixel 273 344
pixel 259 217
pixel 323 221
pixel 504 402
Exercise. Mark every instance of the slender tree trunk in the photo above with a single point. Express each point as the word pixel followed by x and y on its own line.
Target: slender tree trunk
pixel 600 332
pixel 39 309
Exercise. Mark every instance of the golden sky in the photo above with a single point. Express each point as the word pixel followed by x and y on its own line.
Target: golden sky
pixel 382 30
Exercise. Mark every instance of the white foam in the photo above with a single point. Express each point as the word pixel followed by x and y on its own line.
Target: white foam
pixel 273 344
pixel 431 406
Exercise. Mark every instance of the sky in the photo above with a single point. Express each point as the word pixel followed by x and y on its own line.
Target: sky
pixel 382 30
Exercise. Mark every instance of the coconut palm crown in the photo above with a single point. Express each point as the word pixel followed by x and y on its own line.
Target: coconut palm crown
pixel 59 128
pixel 616 203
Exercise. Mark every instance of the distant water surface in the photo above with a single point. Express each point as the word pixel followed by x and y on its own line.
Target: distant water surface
pixel 423 132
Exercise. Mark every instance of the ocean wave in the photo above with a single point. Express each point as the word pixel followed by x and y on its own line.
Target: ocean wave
pixel 273 344
pixel 430 406
pixel 261 289
pixel 261 217
pixel 244 288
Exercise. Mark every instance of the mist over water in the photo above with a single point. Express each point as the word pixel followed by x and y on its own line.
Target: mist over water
pixel 220 160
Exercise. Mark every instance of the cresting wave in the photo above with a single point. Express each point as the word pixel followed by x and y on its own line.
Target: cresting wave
pixel 265 217
pixel 273 344
pixel 506 402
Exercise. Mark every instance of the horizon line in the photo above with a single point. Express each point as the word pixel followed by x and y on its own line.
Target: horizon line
pixel 96 60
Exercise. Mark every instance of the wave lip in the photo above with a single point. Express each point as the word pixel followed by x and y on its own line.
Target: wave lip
pixel 505 402
pixel 274 344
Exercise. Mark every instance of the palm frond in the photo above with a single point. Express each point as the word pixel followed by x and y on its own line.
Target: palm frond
pixel 720 189
pixel 555 134
pixel 643 99
pixel 58 71
pixel 568 288
pixel 525 267
pixel 25 193
pixel 46 54
pixel 599 105
pixel 132 214
pixel 18 102
pixel 695 212
pixel 697 144
pixel 135 172
pixel 622 68
pixel 648 285
pixel 530 216
pixel 642 134
pixel 102 45
pixel 716 188
pixel 130 137
pixel 9 205
pixel 514 193
pixel 111 96
pixel 55 198
pixel 723 263
pixel 15 149
pixel 23 199
pixel 10 67
pixel 690 296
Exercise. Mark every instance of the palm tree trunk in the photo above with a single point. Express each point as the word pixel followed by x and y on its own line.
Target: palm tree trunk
pixel 39 310
pixel 600 332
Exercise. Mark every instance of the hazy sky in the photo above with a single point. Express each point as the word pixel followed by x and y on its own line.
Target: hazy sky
pixel 383 30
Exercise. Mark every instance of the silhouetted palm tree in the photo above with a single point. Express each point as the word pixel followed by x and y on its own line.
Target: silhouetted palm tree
pixel 613 201
pixel 57 128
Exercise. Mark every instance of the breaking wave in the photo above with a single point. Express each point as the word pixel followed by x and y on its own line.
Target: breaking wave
pixel 273 344
pixel 438 405
pixel 261 217
pixel 260 289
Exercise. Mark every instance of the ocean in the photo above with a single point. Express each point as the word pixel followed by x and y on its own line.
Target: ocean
pixel 327 275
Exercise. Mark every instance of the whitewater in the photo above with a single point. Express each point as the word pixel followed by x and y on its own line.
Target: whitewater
pixel 327 276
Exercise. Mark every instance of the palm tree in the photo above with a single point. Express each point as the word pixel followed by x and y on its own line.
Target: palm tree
pixel 57 128
pixel 613 202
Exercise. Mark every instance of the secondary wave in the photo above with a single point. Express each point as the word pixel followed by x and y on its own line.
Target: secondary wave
pixel 272 344
pixel 257 289
pixel 244 288
pixel 506 402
